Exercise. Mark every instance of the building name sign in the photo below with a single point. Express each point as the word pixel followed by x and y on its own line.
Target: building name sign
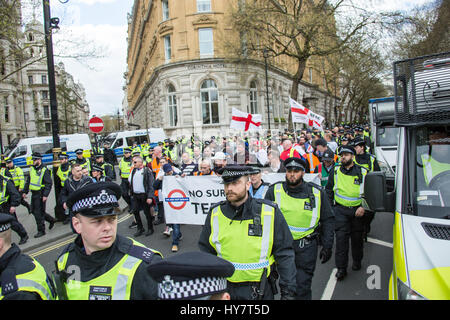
pixel 206 66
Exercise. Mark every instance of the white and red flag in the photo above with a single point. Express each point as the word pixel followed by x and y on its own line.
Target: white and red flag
pixel 245 121
pixel 304 115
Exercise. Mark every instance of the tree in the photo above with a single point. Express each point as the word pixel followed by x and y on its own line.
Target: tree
pixel 299 29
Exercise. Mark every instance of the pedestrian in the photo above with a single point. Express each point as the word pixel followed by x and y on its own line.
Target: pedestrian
pixel 288 150
pixel 40 184
pixel 9 201
pixel 192 276
pixel 141 188
pixel 107 266
pixel 188 167
pixel 18 178
pixel 309 216
pixel 22 277
pixel 253 235
pixel 205 169
pixel 275 165
pixel 75 181
pixel 219 161
pixel 345 190
pixel 258 187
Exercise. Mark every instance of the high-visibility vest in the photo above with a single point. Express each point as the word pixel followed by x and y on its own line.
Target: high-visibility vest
pixel 63 175
pixel 348 190
pixel 432 168
pixel 3 197
pixel 250 255
pixel 118 279
pixel 36 179
pixel 125 168
pixel 301 215
pixel 17 177
pixel 35 281
pixel 86 164
pixel 155 168
pixel 313 162
pixel 368 166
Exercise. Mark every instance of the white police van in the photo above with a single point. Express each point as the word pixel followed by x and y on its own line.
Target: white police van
pixel 22 150
pixel 120 140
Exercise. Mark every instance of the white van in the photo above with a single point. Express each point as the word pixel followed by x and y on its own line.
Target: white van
pixel 23 149
pixel 123 139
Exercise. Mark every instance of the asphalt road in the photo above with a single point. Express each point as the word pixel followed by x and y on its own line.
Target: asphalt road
pixel 369 283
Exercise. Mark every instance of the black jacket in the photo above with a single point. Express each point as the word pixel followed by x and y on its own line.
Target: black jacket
pixel 14 195
pixel 148 182
pixel 282 248
pixel 70 185
pixel 110 156
pixel 94 265
pixel 326 220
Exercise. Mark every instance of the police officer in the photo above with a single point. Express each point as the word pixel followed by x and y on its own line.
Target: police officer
pixel 17 176
pixel 252 234
pixel 62 173
pixel 21 277
pixel 100 264
pixel 258 188
pixel 325 166
pixel 40 184
pixel 125 165
pixel 369 162
pixel 85 163
pixel 345 190
pixel 9 200
pixel 108 169
pixel 309 217
pixel 176 274
pixel 97 174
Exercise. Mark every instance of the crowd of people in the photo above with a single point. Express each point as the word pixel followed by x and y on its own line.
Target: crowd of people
pixel 334 154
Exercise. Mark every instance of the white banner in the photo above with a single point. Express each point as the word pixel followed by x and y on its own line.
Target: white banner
pixel 188 200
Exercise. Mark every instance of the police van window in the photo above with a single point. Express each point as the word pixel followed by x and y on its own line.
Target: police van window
pixel 118 143
pixel 46 148
pixel 433 171
pixel 387 136
pixel 19 152
pixel 138 139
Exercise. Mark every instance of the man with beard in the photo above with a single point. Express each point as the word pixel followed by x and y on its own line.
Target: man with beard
pixel 309 217
pixel 253 235
pixel 345 190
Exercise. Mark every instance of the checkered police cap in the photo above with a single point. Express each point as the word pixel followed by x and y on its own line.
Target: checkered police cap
pixel 95 199
pixel 5 221
pixel 169 289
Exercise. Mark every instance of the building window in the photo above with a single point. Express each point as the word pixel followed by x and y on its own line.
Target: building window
pixel 30 79
pixel 172 104
pixel 44 79
pixel 6 114
pixel 48 127
pixel 310 75
pixel 165 10
pixel 253 98
pixel 206 43
pixel 167 48
pixel 46 112
pixel 44 95
pixel 203 5
pixel 210 102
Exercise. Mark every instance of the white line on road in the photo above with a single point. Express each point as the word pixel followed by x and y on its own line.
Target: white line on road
pixel 329 289
pixel 380 242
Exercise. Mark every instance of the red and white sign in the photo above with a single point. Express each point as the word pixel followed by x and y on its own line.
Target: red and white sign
pixel 245 121
pixel 304 115
pixel 96 125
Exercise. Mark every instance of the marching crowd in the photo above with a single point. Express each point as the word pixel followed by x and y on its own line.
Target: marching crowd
pixel 333 210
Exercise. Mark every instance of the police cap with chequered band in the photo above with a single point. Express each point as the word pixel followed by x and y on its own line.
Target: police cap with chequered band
pixel 95 200
pixel 5 221
pixel 294 163
pixel 346 149
pixel 234 172
pixel 190 275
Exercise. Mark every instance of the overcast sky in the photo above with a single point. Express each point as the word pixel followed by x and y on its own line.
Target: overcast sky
pixel 105 23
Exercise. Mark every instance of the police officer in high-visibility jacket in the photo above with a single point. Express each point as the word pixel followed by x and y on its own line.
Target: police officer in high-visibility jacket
pixel 21 277
pixel 18 179
pixel 63 171
pixel 309 216
pixel 253 235
pixel 100 264
pixel 125 165
pixel 345 190
pixel 40 184
pixel 85 163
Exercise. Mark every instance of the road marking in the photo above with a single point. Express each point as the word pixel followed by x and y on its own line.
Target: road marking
pixel 329 289
pixel 380 242
pixel 65 242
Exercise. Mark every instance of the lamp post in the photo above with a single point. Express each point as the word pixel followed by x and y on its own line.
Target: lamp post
pixel 267 87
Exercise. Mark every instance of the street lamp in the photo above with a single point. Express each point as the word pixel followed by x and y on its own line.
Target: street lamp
pixel 267 87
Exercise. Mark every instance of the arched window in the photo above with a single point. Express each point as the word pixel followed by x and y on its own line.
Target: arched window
pixel 210 102
pixel 253 98
pixel 172 106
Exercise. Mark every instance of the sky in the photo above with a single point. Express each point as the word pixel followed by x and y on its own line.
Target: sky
pixel 104 22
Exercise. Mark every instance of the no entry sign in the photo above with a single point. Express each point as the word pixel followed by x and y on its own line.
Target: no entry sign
pixel 96 125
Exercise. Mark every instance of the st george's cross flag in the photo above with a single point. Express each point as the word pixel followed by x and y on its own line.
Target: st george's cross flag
pixel 245 121
pixel 302 114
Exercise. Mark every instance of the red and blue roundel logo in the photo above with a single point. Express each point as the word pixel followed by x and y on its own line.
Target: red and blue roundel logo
pixel 178 201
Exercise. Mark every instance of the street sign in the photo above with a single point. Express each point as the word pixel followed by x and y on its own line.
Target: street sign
pixel 96 125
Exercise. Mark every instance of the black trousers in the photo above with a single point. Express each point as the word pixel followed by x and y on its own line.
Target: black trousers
pixel 139 202
pixel 247 292
pixel 348 228
pixel 161 216
pixel 38 211
pixel 305 263
pixel 16 226
pixel 125 188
